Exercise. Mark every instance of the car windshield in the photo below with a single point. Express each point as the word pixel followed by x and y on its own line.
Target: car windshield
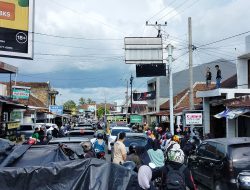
pixel 140 141
pixel 26 128
pixel 116 131
pixel 241 151
pixel 80 133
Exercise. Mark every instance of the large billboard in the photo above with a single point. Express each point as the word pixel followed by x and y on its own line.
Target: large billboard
pixel 16 28
pixel 143 50
pixel 20 92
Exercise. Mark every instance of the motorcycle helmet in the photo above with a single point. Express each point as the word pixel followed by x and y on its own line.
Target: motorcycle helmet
pixel 99 136
pixel 176 155
pixel 176 138
pixel 169 135
pixel 87 146
pixel 132 148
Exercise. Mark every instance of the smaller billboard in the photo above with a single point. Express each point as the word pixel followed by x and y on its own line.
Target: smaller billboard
pixel 150 70
pixel 92 108
pixel 193 118
pixel 58 110
pixel 135 119
pixel 144 96
pixel 20 92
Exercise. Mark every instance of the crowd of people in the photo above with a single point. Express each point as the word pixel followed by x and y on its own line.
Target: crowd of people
pixel 161 164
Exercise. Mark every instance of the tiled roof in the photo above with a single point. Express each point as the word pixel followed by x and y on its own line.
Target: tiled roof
pixel 32 101
pixel 230 82
pixel 181 100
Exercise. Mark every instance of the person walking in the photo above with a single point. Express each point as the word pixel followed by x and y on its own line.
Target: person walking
pixel 120 152
pixel 218 76
pixel 208 77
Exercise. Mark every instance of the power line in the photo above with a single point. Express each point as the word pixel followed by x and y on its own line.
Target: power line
pixel 161 10
pixel 76 38
pixel 180 5
pixel 223 39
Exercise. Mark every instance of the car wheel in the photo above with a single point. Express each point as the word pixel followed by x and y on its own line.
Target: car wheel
pixel 109 151
pixel 219 186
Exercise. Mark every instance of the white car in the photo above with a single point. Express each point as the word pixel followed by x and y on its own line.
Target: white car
pixel 113 134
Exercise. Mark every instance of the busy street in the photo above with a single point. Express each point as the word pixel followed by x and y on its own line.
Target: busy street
pixel 124 95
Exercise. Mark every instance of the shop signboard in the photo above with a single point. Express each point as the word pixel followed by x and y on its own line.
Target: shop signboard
pixel 135 119
pixel 13 125
pixel 16 28
pixel 20 92
pixel 58 110
pixel 193 118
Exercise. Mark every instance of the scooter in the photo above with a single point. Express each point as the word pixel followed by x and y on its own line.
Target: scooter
pixel 99 154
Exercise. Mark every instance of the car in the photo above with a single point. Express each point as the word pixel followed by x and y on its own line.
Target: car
pixel 80 133
pixel 84 125
pixel 113 134
pixel 26 130
pixel 140 139
pixel 71 142
pixel 222 163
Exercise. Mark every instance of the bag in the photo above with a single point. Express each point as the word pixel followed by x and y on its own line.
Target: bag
pixel 175 179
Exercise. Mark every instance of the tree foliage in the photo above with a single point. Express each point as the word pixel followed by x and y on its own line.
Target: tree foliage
pixel 90 101
pixel 82 101
pixel 101 112
pixel 70 105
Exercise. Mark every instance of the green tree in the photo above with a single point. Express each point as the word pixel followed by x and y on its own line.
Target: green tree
pixel 90 101
pixel 82 101
pixel 70 105
pixel 101 111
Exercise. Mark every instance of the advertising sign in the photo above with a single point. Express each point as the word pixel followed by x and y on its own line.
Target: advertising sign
pixel 20 92
pixel 13 125
pixel 16 28
pixel 193 118
pixel 143 50
pixel 58 110
pixel 150 70
pixel 135 119
pixel 91 108
pixel 144 96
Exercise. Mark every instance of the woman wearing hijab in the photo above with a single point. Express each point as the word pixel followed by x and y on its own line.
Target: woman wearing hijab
pixel 155 154
pixel 144 178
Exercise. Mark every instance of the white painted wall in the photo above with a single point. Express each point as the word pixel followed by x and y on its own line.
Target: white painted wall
pixel 206 115
pixel 242 73
pixel 3 90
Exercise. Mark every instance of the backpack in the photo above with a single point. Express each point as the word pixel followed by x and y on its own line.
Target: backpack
pixel 175 179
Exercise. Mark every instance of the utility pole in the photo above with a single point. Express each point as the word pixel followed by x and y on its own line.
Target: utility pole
pixel 190 48
pixel 131 97
pixel 127 97
pixel 105 107
pixel 171 102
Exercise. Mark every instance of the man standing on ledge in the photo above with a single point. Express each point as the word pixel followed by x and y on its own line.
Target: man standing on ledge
pixel 218 76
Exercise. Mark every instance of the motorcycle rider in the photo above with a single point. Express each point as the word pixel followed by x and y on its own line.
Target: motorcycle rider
pixel 87 149
pixel 133 156
pixel 99 144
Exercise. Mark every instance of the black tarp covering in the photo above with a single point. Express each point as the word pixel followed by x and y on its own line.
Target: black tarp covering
pixel 69 175
pixel 45 168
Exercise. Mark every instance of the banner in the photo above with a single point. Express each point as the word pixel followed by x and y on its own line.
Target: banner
pixel 144 96
pixel 20 92
pixel 16 28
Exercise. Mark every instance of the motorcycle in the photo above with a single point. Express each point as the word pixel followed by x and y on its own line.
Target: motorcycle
pixel 100 154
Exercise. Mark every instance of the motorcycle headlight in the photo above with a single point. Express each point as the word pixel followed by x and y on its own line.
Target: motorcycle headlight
pixel 244 179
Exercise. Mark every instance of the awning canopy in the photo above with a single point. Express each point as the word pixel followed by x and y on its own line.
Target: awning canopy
pixel 232 113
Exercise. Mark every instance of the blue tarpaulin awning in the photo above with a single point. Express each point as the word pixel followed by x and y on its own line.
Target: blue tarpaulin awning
pixel 232 113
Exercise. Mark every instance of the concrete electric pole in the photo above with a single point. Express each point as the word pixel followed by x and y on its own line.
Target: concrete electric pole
pixel 190 49
pixel 131 97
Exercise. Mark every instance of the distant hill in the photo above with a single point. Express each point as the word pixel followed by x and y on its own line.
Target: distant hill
pixel 181 79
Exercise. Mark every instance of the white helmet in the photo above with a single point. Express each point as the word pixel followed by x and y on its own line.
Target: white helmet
pixel 176 155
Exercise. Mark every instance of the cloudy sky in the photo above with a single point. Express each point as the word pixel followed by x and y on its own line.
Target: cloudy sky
pixel 79 43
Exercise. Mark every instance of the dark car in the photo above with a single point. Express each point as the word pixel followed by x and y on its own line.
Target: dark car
pixel 71 142
pixel 26 130
pixel 85 125
pixel 80 133
pixel 222 164
pixel 139 138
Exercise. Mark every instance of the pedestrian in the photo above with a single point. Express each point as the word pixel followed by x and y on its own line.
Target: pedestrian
pixel 218 76
pixel 208 77
pixel 120 152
